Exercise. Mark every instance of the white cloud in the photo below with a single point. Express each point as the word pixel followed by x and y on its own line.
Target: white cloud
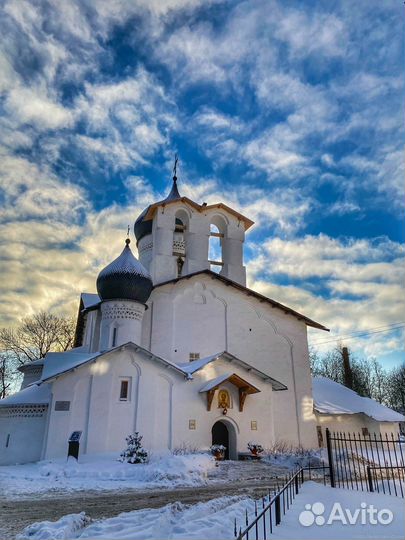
pixel 29 106
pixel 305 34
pixel 348 285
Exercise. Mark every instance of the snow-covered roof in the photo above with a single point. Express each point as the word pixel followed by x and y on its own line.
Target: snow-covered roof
pixel 90 300
pixel 32 395
pixel 31 365
pixel 331 397
pixel 232 378
pixel 213 383
pixel 59 363
pixel 196 365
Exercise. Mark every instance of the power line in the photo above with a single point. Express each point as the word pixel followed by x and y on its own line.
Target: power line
pixel 372 329
pixel 389 328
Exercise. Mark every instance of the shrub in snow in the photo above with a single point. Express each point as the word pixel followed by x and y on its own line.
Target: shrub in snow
pixel 217 448
pixel 255 448
pixel 285 454
pixel 134 453
pixel 218 451
pixel 185 449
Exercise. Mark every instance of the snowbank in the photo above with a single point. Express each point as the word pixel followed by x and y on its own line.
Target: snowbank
pixel 291 459
pixel 65 528
pixel 215 519
pixel 211 520
pixel 103 472
pixel 312 492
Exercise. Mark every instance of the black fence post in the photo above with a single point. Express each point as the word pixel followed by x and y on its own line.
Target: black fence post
pixel 370 479
pixel 277 509
pixel 296 483
pixel 330 459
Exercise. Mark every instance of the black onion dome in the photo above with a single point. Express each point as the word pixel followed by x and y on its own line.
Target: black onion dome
pixel 124 279
pixel 143 227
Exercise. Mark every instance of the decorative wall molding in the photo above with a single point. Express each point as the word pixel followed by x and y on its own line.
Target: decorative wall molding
pixel 122 311
pixel 147 246
pixel 23 411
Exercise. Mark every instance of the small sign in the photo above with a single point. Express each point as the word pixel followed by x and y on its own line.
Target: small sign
pixel 253 425
pixel 75 437
pixel 62 405
pixel 191 424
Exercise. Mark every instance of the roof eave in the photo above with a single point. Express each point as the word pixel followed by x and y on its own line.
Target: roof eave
pixel 138 348
pixel 199 207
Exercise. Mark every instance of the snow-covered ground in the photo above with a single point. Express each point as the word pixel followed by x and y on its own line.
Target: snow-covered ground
pixel 215 519
pixel 104 472
pixel 293 459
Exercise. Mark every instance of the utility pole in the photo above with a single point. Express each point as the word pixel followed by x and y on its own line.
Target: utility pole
pixel 347 369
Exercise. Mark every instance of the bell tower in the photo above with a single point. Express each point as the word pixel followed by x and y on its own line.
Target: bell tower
pixel 177 237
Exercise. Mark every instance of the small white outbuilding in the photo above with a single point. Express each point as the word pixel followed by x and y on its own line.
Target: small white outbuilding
pixel 343 410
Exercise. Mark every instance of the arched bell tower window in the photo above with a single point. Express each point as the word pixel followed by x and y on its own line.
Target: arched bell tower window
pixel 179 239
pixel 215 247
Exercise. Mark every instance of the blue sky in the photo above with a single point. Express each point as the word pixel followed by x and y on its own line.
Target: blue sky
pixel 291 112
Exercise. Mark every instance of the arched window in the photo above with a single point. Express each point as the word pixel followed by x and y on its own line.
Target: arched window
pixel 215 247
pixel 179 239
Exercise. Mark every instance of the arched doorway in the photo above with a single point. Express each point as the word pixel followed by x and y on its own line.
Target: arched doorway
pixel 224 433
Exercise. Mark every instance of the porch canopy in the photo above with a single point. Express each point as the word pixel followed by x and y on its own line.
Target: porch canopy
pixel 244 388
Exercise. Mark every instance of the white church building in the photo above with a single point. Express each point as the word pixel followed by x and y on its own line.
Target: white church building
pixel 172 349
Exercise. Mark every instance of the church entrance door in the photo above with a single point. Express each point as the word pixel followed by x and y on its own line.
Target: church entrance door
pixel 220 435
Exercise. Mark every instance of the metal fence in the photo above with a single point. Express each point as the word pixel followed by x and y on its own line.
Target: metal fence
pixel 269 510
pixel 367 462
pixel 362 462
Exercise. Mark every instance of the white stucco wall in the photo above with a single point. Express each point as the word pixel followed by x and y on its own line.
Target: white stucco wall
pixel 204 315
pixel 354 423
pixel 21 434
pixel 160 407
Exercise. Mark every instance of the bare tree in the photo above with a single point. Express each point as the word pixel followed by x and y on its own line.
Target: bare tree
pixel 31 340
pixel 327 365
pixel 396 389
pixel 36 336
pixel 6 375
pixel 366 377
pixel 379 380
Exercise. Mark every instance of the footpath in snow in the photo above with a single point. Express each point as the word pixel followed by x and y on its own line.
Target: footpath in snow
pixel 215 519
pixel 104 472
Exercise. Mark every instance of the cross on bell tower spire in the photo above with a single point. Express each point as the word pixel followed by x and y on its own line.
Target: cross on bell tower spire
pixel 176 160
pixel 174 192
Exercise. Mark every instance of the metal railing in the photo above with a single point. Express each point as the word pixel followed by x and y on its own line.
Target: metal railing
pixel 386 480
pixel 269 510
pixel 367 463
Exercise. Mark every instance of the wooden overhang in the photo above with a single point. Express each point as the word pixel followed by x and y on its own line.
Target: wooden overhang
pixel 244 388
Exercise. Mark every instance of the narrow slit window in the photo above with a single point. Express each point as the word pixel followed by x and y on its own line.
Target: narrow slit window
pixel 124 390
pixel 114 337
